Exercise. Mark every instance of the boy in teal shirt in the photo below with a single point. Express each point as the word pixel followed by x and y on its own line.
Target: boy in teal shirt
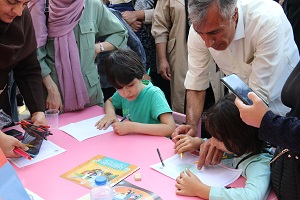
pixel 144 104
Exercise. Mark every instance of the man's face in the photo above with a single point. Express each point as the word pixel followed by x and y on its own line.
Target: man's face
pixel 216 31
pixel 9 9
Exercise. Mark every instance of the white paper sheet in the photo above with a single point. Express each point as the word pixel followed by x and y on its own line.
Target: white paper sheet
pixel 48 150
pixel 215 176
pixel 33 196
pixel 85 129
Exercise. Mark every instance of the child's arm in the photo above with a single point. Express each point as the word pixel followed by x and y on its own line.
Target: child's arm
pixel 187 143
pixel 166 127
pixel 110 116
pixel 189 185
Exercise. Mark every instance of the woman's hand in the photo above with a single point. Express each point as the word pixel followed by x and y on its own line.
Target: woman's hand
pixel 8 144
pixel 252 115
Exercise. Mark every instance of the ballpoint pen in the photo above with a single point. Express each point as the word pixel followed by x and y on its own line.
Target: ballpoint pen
pixel 161 160
pixel 126 117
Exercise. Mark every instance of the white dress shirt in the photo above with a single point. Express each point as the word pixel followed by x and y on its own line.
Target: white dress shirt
pixel 263 52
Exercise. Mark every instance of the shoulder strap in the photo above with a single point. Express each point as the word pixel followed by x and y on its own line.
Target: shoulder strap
pixel 46 11
pixel 252 154
pixel 245 158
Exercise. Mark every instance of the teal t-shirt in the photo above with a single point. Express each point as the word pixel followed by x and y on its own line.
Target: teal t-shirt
pixel 146 108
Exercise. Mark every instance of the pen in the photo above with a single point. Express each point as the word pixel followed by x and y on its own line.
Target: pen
pixel 126 117
pixel 181 155
pixel 161 160
pixel 22 153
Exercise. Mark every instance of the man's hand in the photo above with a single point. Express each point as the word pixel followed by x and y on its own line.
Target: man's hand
pixel 209 155
pixel 135 26
pixel 129 16
pixel 164 69
pixel 183 129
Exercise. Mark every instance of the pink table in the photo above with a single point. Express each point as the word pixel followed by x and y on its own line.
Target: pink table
pixel 43 178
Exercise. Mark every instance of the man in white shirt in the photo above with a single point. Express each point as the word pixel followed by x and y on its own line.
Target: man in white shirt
pixel 251 38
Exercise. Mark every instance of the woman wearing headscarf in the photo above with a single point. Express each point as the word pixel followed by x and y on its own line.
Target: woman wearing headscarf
pixel 66 49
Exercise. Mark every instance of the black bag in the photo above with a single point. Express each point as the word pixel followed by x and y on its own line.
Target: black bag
pixel 285 174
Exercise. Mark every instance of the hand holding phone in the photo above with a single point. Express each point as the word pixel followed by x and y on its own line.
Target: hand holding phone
pixel 239 88
pixel 15 133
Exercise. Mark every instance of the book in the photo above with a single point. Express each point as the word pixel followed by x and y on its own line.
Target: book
pixel 215 175
pixel 127 191
pixel 86 173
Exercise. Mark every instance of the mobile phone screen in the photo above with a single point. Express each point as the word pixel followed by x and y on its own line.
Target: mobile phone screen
pixel 15 133
pixel 239 88
pixel 33 141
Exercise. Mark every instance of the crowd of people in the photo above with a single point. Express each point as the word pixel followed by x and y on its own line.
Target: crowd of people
pixel 49 48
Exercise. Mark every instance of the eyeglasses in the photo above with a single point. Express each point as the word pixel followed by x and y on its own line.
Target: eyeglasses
pixel 3 89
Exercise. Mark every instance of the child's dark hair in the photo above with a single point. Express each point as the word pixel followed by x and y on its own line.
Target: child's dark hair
pixel 223 122
pixel 122 66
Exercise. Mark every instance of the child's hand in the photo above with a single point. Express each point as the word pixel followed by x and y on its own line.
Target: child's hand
pixel 106 121
pixel 184 130
pixel 189 185
pixel 122 128
pixel 187 143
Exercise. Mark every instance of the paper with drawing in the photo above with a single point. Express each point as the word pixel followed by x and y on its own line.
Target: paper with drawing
pixel 216 176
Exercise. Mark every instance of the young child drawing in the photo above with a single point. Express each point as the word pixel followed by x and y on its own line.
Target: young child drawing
pixel 231 135
pixel 145 104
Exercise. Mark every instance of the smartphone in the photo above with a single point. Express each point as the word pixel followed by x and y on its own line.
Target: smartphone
pixel 15 133
pixel 33 141
pixel 239 88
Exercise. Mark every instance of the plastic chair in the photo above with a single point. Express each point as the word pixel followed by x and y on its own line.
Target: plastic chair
pixel 181 119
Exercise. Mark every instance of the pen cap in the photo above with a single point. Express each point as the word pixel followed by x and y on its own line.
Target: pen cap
pixel 100 180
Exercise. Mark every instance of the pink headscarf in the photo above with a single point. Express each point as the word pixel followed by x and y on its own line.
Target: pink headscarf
pixel 64 15
pixel 36 8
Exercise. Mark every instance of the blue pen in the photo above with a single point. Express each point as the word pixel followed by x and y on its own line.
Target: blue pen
pixel 126 117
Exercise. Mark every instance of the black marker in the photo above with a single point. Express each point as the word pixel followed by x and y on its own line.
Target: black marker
pixel 161 160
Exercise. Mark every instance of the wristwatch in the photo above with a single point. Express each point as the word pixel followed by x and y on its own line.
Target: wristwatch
pixel 101 47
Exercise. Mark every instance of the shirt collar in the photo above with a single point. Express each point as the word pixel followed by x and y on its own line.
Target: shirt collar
pixel 240 30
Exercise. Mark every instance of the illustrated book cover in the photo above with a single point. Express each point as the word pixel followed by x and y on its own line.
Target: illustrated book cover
pixel 86 173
